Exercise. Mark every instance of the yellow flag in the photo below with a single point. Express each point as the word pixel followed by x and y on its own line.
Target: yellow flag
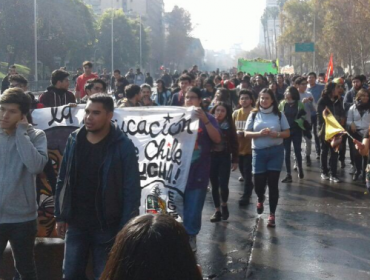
pixel 332 126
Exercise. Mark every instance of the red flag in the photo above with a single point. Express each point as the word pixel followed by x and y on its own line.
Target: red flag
pixel 330 70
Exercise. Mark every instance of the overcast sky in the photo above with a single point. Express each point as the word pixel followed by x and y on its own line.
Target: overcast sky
pixel 222 23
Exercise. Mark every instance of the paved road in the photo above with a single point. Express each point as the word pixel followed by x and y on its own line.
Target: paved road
pixel 323 232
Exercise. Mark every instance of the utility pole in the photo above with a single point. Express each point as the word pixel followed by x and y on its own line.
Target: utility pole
pixel 35 37
pixel 314 40
pixel 141 49
pixel 112 41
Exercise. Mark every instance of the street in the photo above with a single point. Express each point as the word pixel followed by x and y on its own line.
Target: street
pixel 322 232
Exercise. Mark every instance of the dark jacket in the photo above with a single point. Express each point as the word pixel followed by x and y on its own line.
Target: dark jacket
pixel 231 143
pixel 119 192
pixel 176 100
pixel 149 80
pixel 54 97
pixel 348 99
pixel 335 107
pixel 5 84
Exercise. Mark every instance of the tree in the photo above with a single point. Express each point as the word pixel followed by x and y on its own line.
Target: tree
pixel 348 42
pixel 274 12
pixel 178 38
pixel 74 38
pixel 64 28
pixel 264 22
pixel 125 40
pixel 16 29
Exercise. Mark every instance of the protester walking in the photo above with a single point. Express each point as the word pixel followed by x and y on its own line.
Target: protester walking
pixel 190 206
pixel 240 117
pixel 330 100
pixel 221 162
pixel 267 127
pixel 98 189
pixel 358 121
pixel 293 110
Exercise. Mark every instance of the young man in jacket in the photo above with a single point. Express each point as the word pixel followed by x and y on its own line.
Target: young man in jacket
pixel 57 94
pixel 23 155
pixel 98 189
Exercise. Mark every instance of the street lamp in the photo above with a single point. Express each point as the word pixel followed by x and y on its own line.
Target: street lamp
pixel 141 50
pixel 35 36
pixel 112 37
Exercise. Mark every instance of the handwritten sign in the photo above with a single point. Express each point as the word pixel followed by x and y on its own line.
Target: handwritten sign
pixel 164 138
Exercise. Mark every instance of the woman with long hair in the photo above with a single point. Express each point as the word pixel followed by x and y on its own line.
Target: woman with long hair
pixel 330 100
pixel 221 162
pixel 267 127
pixel 162 96
pixel 152 247
pixel 274 87
pixel 222 95
pixel 358 120
pixel 294 111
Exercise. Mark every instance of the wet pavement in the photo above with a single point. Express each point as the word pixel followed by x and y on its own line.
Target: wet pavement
pixel 322 232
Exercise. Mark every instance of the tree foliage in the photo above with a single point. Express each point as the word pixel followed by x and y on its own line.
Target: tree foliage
pixel 126 40
pixel 179 29
pixel 341 29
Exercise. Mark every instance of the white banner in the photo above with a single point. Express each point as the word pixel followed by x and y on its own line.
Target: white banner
pixel 164 138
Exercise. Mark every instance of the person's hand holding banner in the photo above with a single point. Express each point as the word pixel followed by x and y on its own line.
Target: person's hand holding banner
pixel 359 146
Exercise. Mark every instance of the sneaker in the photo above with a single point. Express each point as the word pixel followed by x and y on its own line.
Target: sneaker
pixel 225 212
pixel 241 179
pixel 355 176
pixel 295 168
pixel 300 174
pixel 271 221
pixel 352 170
pixel 287 179
pixel 318 157
pixel 325 176
pixel 243 201
pixel 334 179
pixel 342 164
pixel 216 217
pixel 308 161
pixel 193 242
pixel 260 208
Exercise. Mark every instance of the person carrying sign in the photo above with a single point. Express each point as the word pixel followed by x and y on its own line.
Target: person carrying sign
pixel 98 189
pixel 198 179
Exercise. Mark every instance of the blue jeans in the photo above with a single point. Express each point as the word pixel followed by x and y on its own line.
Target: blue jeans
pixel 296 138
pixel 190 208
pixel 21 237
pixel 268 159
pixel 79 242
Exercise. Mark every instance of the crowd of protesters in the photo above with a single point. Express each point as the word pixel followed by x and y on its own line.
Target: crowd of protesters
pixel 246 121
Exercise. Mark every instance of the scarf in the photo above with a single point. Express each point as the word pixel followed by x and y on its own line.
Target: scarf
pixel 267 111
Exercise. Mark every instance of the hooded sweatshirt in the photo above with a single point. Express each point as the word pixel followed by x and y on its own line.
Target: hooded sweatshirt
pixel 54 97
pixel 23 155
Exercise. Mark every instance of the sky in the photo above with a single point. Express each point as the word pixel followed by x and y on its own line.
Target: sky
pixel 222 23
